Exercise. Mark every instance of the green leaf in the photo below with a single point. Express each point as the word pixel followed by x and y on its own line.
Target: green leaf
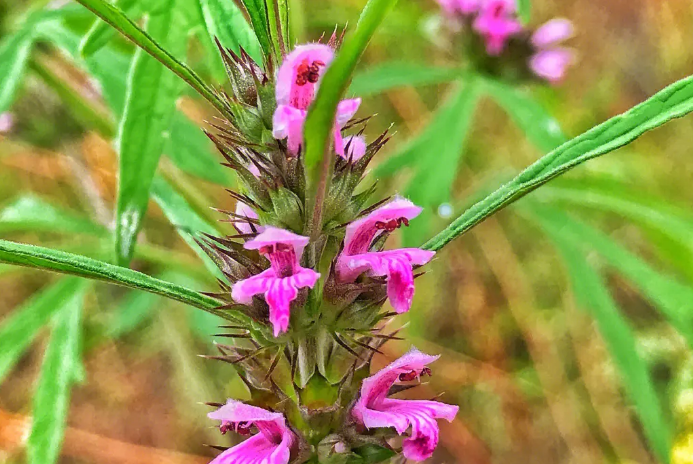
pixel 225 21
pixel 113 16
pixel 151 102
pixel 30 213
pixel 62 366
pixel 388 76
pixel 445 136
pixel 541 128
pixel 335 82
pixel 673 102
pixel 67 263
pixel 592 295
pixel 109 66
pixel 192 151
pixel 672 298
pixel 624 201
pixel 185 220
pixel 132 311
pixel 21 327
pixel 14 56
pixel 257 11
pixel 524 10
pixel 100 33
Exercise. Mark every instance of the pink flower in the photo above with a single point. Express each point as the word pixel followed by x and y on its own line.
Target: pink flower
pixel 271 445
pixel 463 7
pixel 375 410
pixel 297 82
pixel 551 61
pixel 497 21
pixel 244 210
pixel 552 33
pixel 6 122
pixel 279 283
pixel 354 147
pixel 356 257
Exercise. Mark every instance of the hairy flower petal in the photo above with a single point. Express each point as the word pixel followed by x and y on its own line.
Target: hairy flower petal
pixel 553 32
pixel 280 283
pixel 375 410
pixel 272 445
pixel 497 22
pixel 551 64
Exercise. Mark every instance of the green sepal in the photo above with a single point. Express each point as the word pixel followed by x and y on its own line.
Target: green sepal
pixel 287 208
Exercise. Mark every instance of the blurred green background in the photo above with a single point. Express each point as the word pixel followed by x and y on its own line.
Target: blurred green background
pixel 535 343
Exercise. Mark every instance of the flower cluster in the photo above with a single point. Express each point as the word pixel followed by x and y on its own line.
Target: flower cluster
pixel 309 309
pixel 498 24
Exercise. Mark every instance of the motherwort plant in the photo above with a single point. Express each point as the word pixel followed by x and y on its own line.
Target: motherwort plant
pixel 309 285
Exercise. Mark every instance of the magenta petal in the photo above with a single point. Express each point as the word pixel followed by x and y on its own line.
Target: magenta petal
pixel 255 450
pixel 237 411
pixel 271 446
pixel 355 147
pixel 246 211
pixel 375 387
pixel 346 109
pixel 553 32
pixel 287 91
pixel 243 291
pixel 374 410
pixel 279 297
pixel 287 123
pixel 273 236
pixel 551 64
pixel 361 233
pixel 396 265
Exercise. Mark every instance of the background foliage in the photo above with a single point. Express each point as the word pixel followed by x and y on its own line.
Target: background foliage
pixel 565 320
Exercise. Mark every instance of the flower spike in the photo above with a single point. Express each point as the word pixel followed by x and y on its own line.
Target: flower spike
pixel 375 410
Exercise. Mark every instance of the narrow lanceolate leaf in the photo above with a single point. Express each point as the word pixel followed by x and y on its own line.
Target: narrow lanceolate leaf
pixel 435 155
pixel 225 21
pixel 673 102
pixel 625 201
pixel 524 10
pixel 672 298
pixel 257 11
pixel 61 368
pixel 20 328
pixel 100 33
pixel 336 80
pixel 592 295
pixel 30 213
pixel 192 151
pixel 151 102
pixel 67 263
pixel 388 76
pixel 539 126
pixel 321 115
pixel 14 55
pixel 186 221
pixel 115 17
pixel 133 310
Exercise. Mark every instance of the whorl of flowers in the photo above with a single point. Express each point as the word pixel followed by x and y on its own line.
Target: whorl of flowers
pixel 309 305
pixel 507 42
